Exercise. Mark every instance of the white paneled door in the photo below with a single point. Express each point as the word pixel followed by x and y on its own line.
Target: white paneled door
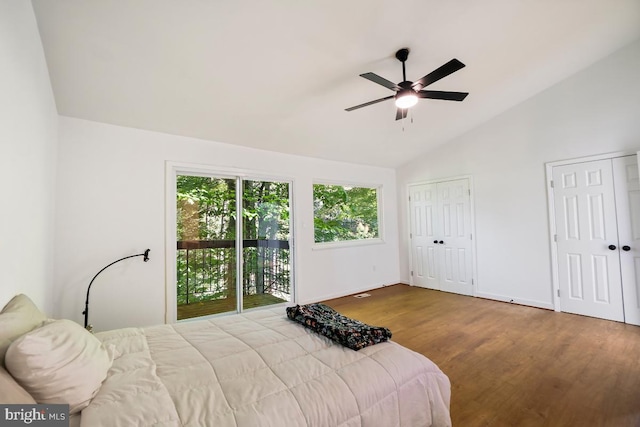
pixel 595 218
pixel 588 270
pixel 441 250
pixel 423 204
pixel 627 190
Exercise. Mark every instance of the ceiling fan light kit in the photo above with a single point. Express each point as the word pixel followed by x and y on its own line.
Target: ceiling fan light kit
pixel 407 92
pixel 406 98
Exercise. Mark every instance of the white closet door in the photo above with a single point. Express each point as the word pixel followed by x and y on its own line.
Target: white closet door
pixel 454 238
pixel 424 224
pixel 440 218
pixel 627 189
pixel 588 255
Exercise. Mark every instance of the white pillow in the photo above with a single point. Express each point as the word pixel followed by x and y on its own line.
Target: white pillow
pixel 19 316
pixel 11 392
pixel 59 362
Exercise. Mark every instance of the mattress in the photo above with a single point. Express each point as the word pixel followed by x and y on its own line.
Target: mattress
pixel 262 369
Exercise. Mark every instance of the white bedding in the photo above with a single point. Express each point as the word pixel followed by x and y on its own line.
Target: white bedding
pixel 262 369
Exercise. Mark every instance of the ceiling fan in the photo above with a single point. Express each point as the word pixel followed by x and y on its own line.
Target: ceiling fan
pixel 407 93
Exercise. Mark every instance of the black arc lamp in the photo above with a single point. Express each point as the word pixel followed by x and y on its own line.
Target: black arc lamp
pixel 88 327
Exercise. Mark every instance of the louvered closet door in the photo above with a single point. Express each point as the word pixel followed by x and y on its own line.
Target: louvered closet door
pixel 587 240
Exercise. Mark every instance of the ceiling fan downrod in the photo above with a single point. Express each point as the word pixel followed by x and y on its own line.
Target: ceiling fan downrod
pixel 402 56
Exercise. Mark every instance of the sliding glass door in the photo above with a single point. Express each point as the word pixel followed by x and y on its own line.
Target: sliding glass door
pixel 266 252
pixel 232 248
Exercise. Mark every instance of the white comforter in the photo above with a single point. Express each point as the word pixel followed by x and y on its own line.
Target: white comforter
pixel 262 369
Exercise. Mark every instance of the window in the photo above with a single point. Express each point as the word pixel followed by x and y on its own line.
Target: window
pixel 345 213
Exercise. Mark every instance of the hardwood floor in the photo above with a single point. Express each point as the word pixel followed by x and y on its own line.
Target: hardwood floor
pixel 512 365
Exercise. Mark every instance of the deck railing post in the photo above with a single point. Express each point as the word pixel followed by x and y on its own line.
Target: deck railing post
pixel 187 274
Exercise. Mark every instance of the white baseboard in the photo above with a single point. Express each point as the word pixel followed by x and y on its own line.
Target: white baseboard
pixel 346 293
pixel 531 303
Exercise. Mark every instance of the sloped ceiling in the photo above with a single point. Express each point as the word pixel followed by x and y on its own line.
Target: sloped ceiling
pixel 277 75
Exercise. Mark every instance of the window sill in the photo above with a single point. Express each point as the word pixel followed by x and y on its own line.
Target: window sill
pixel 346 244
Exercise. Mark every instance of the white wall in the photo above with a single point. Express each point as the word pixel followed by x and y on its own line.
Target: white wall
pixel 111 203
pixel 28 138
pixel 593 112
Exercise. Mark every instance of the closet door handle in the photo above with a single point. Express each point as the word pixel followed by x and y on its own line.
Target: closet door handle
pixel 612 247
pixel 435 241
pixel 626 248
pixel 441 242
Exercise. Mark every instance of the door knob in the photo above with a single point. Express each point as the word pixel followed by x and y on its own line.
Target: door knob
pixel 612 247
pixel 441 242
pixel 626 248
pixel 435 241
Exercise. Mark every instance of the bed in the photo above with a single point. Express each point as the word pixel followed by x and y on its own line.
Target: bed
pixel 256 369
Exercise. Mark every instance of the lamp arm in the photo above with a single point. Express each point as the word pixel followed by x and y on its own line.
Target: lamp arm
pixel 145 254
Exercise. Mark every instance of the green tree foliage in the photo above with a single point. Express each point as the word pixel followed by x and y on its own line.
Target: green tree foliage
pixel 206 208
pixel 344 213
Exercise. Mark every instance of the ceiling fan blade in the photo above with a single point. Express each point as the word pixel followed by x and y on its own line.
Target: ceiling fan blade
pixel 381 81
pixel 438 94
pixel 448 68
pixel 369 103
pixel 401 113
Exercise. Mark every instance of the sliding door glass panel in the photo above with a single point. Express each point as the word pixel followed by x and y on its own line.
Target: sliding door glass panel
pixel 206 246
pixel 266 253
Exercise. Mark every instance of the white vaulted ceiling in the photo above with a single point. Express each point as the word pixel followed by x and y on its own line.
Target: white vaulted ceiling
pixel 277 75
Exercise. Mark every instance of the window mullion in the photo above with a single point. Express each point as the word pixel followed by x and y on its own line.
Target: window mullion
pixel 239 244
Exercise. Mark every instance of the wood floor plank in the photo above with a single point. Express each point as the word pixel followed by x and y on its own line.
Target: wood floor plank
pixel 513 365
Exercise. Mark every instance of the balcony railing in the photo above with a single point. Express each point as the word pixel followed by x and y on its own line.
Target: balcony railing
pixel 206 270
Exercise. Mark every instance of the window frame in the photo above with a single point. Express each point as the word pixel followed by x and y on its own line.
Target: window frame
pixel 354 242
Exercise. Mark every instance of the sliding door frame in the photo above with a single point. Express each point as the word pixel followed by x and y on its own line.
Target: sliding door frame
pixel 172 170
